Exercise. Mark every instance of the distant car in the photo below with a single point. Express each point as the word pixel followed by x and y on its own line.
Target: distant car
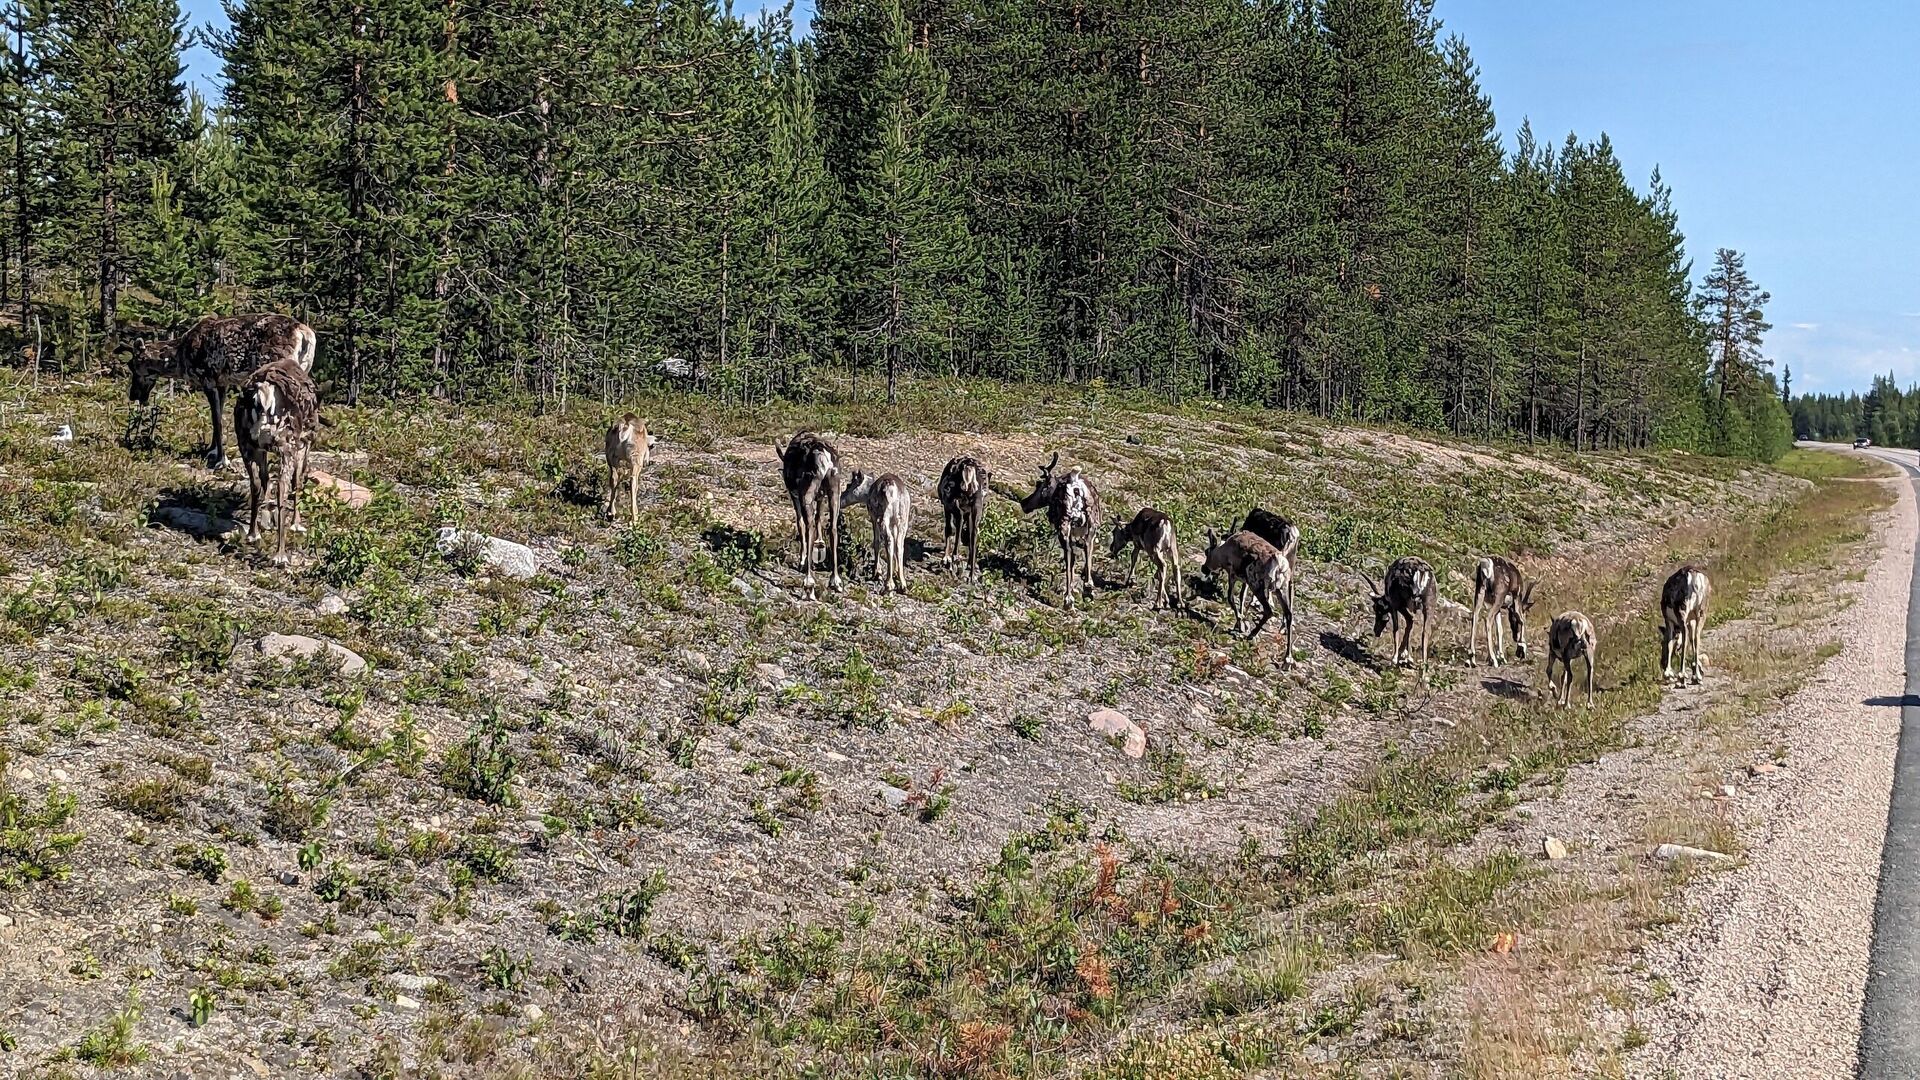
pixel 1862 444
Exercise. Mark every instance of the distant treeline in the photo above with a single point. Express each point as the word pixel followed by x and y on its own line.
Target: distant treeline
pixel 1886 414
pixel 1301 203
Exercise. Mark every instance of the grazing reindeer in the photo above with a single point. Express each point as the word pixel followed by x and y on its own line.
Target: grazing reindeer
pixel 810 467
pixel 1570 637
pixel 276 412
pixel 1408 589
pixel 1499 587
pixel 1683 615
pixel 1284 535
pixel 220 354
pixel 889 506
pixel 1152 531
pixel 627 447
pixel 1256 565
pixel 963 499
pixel 1073 508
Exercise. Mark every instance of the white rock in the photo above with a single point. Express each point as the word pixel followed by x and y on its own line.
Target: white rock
pixel 770 674
pixel 331 604
pixel 418 984
pixel 1553 848
pixel 1114 723
pixel 533 1013
pixel 1682 851
pixel 297 647
pixel 402 1001
pixel 5 922
pixel 697 660
pixel 65 434
pixel 60 775
pixel 893 797
pixel 953 650
pixel 502 556
pixel 836 757
pixel 1762 768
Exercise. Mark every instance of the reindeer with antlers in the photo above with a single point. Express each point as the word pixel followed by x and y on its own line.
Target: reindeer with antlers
pixel 1073 508
pixel 963 499
pixel 1408 589
pixel 810 468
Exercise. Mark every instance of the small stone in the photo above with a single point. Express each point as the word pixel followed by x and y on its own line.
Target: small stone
pixel 5 922
pixel 331 604
pixel 1726 791
pixel 60 775
pixel 1553 848
pixel 895 798
pixel 402 1001
pixel 953 650
pixel 1670 852
pixel 741 586
pixel 297 647
pixel 1441 721
pixel 1113 723
pixel 501 556
pixel 287 877
pixel 532 1012
pixel 1762 768
pixel 418 984
pixel 354 495
pixel 836 757
pixel 770 674
pixel 697 660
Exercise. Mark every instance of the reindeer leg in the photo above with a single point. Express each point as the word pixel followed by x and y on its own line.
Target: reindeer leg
pixel 256 493
pixel 280 514
pixel 833 541
pixel 633 491
pixel 1066 582
pixel 1266 613
pixel 1086 561
pixel 1473 635
pixel 217 453
pixel 299 528
pixel 1404 655
pixel 1590 679
pixel 1133 558
pixel 1286 623
pixel 1426 633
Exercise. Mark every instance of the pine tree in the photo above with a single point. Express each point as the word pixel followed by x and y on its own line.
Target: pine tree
pixel 1733 309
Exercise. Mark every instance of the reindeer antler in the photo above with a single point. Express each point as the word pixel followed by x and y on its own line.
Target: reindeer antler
pixel 1370 582
pixel 1047 469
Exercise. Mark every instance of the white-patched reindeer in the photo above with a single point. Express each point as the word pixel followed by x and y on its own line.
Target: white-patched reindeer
pixel 963 502
pixel 1407 590
pixel 1571 637
pixel 1683 616
pixel 810 468
pixel 220 354
pixel 1254 565
pixel 889 507
pixel 1073 508
pixel 276 412
pixel 628 445
pixel 1284 535
pixel 1152 531
pixel 1499 588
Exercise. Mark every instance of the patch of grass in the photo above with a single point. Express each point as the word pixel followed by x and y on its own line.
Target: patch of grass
pixel 157 799
pixel 112 1045
pixel 34 842
pixel 484 766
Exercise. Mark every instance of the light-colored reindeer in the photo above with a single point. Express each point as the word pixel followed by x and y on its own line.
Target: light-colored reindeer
pixel 810 468
pixel 276 412
pixel 1683 617
pixel 1255 565
pixel 1500 588
pixel 628 446
pixel 1569 638
pixel 1152 531
pixel 889 507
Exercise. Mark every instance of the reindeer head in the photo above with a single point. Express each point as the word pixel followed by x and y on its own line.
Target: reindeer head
pixel 1382 610
pixel 151 360
pixel 1121 538
pixel 859 487
pixel 1043 487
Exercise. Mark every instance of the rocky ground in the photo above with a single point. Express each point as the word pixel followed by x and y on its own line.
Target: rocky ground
pixel 399 810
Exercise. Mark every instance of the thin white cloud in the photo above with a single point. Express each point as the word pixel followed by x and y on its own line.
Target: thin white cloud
pixel 1807 326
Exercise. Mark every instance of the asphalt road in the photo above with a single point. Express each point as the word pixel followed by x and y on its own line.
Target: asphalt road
pixel 1890 1017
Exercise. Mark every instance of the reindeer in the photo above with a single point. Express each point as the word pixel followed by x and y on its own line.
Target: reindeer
pixel 1152 531
pixel 1257 565
pixel 963 499
pixel 1284 535
pixel 1683 616
pixel 1073 508
pixel 628 445
pixel 221 354
pixel 889 506
pixel 1407 589
pixel 1498 586
pixel 277 412
pixel 810 467
pixel 1571 636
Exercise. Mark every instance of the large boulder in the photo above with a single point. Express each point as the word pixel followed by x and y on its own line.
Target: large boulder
pixel 1114 724
pixel 501 556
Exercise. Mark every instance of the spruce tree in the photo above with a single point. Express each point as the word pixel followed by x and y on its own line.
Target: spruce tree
pixel 1733 309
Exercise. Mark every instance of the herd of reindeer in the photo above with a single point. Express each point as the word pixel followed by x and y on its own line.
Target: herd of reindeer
pixel 266 362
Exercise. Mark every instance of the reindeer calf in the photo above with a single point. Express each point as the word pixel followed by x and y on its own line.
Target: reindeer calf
pixel 1407 589
pixel 277 412
pixel 1500 588
pixel 810 469
pixel 1151 531
pixel 628 445
pixel 889 506
pixel 963 500
pixel 1683 616
pixel 1256 565
pixel 1570 637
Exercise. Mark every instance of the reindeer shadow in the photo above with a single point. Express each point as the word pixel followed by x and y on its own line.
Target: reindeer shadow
pixel 204 511
pixel 1511 689
pixel 1349 649
pixel 737 547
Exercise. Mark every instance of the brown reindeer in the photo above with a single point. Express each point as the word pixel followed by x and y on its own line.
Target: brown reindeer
pixel 1408 589
pixel 1152 531
pixel 220 354
pixel 1254 565
pixel 810 468
pixel 1569 638
pixel 628 445
pixel 276 413
pixel 963 501
pixel 1500 588
pixel 1073 508
pixel 1284 535
pixel 1683 618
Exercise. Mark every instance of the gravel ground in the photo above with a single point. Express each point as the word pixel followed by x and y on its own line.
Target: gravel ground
pixel 1769 967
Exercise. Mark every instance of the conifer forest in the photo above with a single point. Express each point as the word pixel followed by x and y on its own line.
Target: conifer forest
pixel 1299 203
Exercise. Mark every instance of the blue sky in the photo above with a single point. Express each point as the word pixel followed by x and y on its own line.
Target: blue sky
pixel 1787 130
